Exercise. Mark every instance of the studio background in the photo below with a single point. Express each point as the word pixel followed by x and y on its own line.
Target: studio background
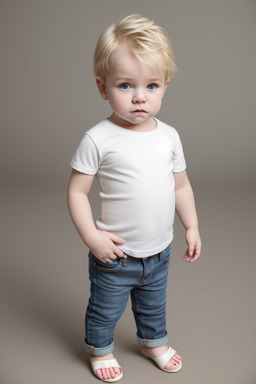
pixel 48 100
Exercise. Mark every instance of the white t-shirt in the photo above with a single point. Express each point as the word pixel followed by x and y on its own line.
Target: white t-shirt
pixel 135 173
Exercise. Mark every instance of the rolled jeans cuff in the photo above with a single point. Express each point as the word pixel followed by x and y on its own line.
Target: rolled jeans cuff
pixel 153 343
pixel 99 351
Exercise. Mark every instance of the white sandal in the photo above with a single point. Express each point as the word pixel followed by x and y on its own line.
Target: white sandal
pixel 113 363
pixel 163 359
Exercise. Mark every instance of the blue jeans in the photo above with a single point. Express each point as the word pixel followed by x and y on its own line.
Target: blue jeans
pixel 145 280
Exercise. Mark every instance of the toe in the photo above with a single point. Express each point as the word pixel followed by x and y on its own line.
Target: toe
pixel 176 358
pixel 117 372
pixel 103 374
pixel 108 373
pixel 99 374
pixel 114 372
pixel 173 363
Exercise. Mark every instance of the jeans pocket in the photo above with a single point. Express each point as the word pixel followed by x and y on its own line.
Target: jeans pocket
pixel 167 253
pixel 107 267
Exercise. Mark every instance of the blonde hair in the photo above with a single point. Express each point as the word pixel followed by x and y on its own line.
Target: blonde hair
pixel 147 41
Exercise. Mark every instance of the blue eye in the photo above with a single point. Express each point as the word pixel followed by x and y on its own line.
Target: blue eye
pixel 125 86
pixel 152 86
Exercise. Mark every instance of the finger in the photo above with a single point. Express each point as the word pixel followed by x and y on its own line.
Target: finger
pixel 187 257
pixel 108 258
pixel 199 249
pixel 111 259
pixel 197 252
pixel 191 249
pixel 195 258
pixel 118 252
pixel 116 239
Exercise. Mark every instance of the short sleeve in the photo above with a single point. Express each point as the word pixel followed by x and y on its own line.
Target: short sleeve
pixel 179 158
pixel 86 158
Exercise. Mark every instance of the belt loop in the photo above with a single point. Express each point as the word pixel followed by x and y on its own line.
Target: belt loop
pixel 124 261
pixel 91 350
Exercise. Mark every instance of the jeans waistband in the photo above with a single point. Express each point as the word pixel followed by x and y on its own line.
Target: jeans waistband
pixel 128 257
pixel 136 258
pixel 144 258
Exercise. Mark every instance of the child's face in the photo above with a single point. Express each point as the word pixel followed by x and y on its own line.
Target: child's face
pixel 134 90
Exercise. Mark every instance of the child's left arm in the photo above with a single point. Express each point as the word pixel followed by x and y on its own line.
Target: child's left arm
pixel 186 210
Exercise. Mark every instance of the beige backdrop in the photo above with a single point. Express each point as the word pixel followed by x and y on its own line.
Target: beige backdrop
pixel 48 100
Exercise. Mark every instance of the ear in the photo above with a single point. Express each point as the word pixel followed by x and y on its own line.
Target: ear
pixel 102 87
pixel 166 85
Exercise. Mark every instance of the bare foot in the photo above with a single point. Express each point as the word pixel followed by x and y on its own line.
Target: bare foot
pixel 106 373
pixel 174 361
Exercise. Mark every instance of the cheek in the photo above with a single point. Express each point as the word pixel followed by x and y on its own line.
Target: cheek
pixel 156 103
pixel 118 102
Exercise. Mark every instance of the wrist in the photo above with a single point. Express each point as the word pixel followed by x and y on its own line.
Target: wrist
pixel 192 227
pixel 91 237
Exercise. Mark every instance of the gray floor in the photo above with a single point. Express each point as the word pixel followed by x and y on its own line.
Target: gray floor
pixel 44 291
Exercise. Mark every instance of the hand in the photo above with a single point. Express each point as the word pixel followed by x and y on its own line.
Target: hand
pixel 104 246
pixel 194 245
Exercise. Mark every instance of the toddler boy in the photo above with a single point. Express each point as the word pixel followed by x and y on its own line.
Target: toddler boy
pixel 139 163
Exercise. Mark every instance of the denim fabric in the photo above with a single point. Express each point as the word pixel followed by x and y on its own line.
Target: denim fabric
pixel 145 280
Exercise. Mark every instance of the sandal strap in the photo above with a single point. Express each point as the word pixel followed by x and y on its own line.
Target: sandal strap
pixel 163 359
pixel 113 363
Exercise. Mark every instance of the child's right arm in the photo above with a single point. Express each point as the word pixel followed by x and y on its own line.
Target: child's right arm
pixel 101 243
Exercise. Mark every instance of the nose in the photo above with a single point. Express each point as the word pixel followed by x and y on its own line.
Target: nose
pixel 139 97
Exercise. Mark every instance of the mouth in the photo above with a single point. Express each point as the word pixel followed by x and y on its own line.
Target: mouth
pixel 139 111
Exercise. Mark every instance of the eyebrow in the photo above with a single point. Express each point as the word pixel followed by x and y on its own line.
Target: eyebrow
pixel 130 78
pixel 119 78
